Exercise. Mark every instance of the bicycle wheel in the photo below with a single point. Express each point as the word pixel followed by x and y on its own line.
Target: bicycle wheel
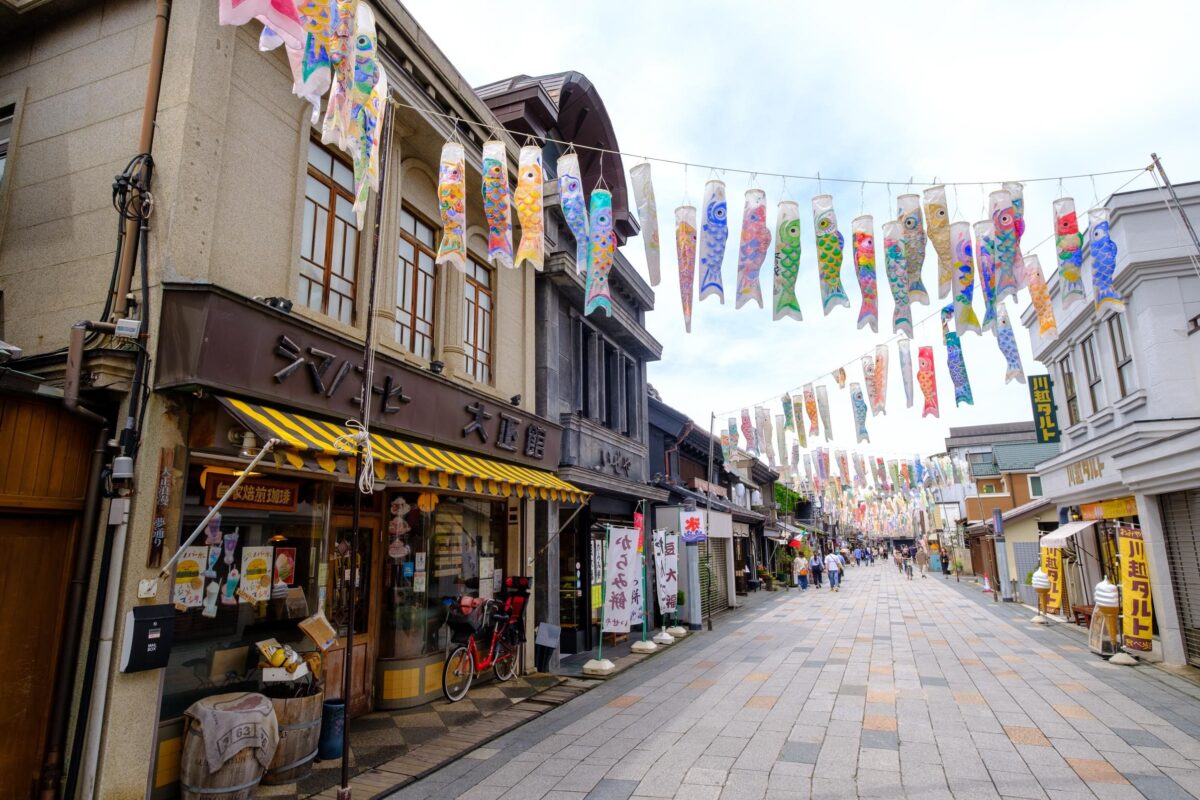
pixel 457 674
pixel 506 656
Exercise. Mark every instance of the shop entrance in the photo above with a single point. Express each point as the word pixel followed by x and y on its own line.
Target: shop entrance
pixel 365 614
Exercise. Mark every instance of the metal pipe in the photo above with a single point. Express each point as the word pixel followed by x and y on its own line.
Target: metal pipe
pixel 158 50
pixel 1178 206
pixel 683 434
pixel 50 782
pixel 72 380
pixel 708 479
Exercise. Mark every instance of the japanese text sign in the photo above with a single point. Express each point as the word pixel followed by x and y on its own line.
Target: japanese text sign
pixel 691 526
pixel 666 568
pixel 621 563
pixel 1052 566
pixel 256 494
pixel 1045 417
pixel 1136 606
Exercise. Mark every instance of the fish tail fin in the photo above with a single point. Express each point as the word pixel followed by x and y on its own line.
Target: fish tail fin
pixel 1109 298
pixel 965 320
pixel 1014 373
pixel 930 408
pixel 836 297
pixel 917 293
pixel 581 256
pixel 787 305
pixel 603 303
pixel 530 250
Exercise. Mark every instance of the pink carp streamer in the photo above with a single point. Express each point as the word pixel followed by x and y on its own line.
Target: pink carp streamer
pixel 752 249
pixel 1005 247
pixel 452 205
pixel 1040 294
pixel 685 253
pixel 643 198
pixel 927 379
pixel 881 373
pixel 937 220
pixel 748 432
pixel 863 234
pixel 823 407
pixel 810 406
pixel 906 373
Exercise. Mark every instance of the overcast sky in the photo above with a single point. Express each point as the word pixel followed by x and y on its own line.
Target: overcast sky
pixel 961 92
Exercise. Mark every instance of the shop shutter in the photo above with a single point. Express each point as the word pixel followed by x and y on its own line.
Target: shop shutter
pixel 1181 523
pixel 714 578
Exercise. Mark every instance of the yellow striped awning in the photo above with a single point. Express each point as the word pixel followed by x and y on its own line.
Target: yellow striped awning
pixel 309 442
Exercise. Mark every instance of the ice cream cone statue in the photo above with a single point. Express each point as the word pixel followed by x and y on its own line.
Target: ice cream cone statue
pixel 1108 606
pixel 1041 585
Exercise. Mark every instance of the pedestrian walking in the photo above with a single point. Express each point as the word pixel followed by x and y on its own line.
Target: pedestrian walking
pixel 800 572
pixel 817 567
pixel 833 569
pixel 923 561
pixel 899 557
pixel 945 563
pixel 858 554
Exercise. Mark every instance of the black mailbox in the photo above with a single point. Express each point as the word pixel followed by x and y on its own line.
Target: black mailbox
pixel 149 632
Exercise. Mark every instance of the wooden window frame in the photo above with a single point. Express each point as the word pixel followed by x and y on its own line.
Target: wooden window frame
pixel 1091 370
pixel 410 339
pixel 1122 358
pixel 1066 372
pixel 336 192
pixel 481 369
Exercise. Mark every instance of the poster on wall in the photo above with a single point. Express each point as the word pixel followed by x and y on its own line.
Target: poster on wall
pixel 256 574
pixel 1136 605
pixel 618 578
pixel 691 526
pixel 1052 566
pixel 189 577
pixel 285 566
pixel 666 569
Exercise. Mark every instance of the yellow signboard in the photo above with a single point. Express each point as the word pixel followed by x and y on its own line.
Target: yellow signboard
pixel 1136 607
pixel 1110 509
pixel 1052 566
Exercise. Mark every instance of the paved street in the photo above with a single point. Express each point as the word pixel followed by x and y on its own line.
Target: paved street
pixel 890 688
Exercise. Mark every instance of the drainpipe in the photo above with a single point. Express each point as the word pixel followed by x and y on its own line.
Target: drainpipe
pixel 158 50
pixel 50 783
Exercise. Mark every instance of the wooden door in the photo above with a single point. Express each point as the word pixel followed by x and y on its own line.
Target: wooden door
pixel 34 573
pixel 366 611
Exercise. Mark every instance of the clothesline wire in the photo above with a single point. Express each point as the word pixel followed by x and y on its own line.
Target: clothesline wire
pixel 936 313
pixel 1179 229
pixel 713 169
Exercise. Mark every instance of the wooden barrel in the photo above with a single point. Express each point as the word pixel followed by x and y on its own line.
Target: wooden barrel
pixel 235 780
pixel 299 728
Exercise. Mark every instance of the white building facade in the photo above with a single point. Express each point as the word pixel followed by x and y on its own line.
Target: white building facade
pixel 1127 392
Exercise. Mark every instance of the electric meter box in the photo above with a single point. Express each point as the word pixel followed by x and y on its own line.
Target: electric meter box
pixel 149 633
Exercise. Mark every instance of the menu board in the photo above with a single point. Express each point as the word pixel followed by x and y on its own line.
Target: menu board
pixel 189 577
pixel 448 541
pixel 256 574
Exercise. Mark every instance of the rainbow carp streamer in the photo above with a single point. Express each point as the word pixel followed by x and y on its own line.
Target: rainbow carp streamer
pixel 859 406
pixel 964 276
pixel 810 406
pixel 1104 261
pixel 912 235
pixel 452 206
pixel 529 202
pixel 1040 294
pixel 881 374
pixel 714 232
pixel 748 432
pixel 927 379
pixel 574 206
pixel 906 373
pixel 955 364
pixel 1068 242
pixel 643 199
pixel 985 249
pixel 787 413
pixel 1005 247
pixel 787 260
pixel 937 220
pixel 685 254
pixel 496 207
pixel 1017 192
pixel 863 236
pixel 753 247
pixel 897 274
pixel 601 250
pixel 823 409
pixel 830 243
pixel 1008 346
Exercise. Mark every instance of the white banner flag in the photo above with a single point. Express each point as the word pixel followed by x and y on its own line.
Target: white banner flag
pixel 666 569
pixel 622 564
pixel 637 608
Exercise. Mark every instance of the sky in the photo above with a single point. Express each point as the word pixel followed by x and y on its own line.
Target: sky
pixel 962 92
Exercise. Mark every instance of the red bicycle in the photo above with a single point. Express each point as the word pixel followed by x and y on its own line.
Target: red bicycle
pixel 497 620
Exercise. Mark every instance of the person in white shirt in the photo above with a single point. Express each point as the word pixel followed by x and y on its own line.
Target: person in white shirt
pixel 834 570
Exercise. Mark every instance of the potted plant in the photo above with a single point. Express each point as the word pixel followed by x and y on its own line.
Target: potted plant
pixel 766 578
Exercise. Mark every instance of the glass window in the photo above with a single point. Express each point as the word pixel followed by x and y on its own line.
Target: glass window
pixel 987 488
pixel 1035 486
pixel 6 121
pixel 329 243
pixel 1068 384
pixel 1121 354
pixel 1091 368
pixel 270 540
pixel 477 323
pixel 415 284
pixel 433 556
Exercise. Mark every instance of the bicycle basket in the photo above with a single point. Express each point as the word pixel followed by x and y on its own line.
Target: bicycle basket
pixel 465 624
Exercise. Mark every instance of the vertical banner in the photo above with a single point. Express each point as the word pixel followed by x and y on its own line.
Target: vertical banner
pixel 1052 566
pixel 691 526
pixel 1045 418
pixel 1136 607
pixel 666 568
pixel 621 565
pixel 638 599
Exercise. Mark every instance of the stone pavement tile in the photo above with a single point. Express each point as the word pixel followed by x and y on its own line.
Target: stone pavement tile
pixel 692 791
pixel 1006 760
pixel 726 746
pixel 875 722
pixel 535 786
pixel 484 792
pixel 873 783
pixel 881 696
pixel 1189 779
pixel 623 770
pixel 1038 755
pixel 1075 749
pixel 1158 787
pixel 740 729
pixel 843 728
pixel 969 789
pixel 1022 735
pixel 1130 762
pixel 1017 784
pixel 833 789
pixel 1064 794
pixel 1095 771
pixel 992 741
pixel 871 758
pixel 706 776
pixel 1061 778
pixel 789 769
pixel 745 785
pixel 809 733
pixel 968 698
pixel 882 740
pixel 1164 757
pixel 1109 743
pixel 1072 711
pixel 723 763
pixel 554 767
pixel 583 778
